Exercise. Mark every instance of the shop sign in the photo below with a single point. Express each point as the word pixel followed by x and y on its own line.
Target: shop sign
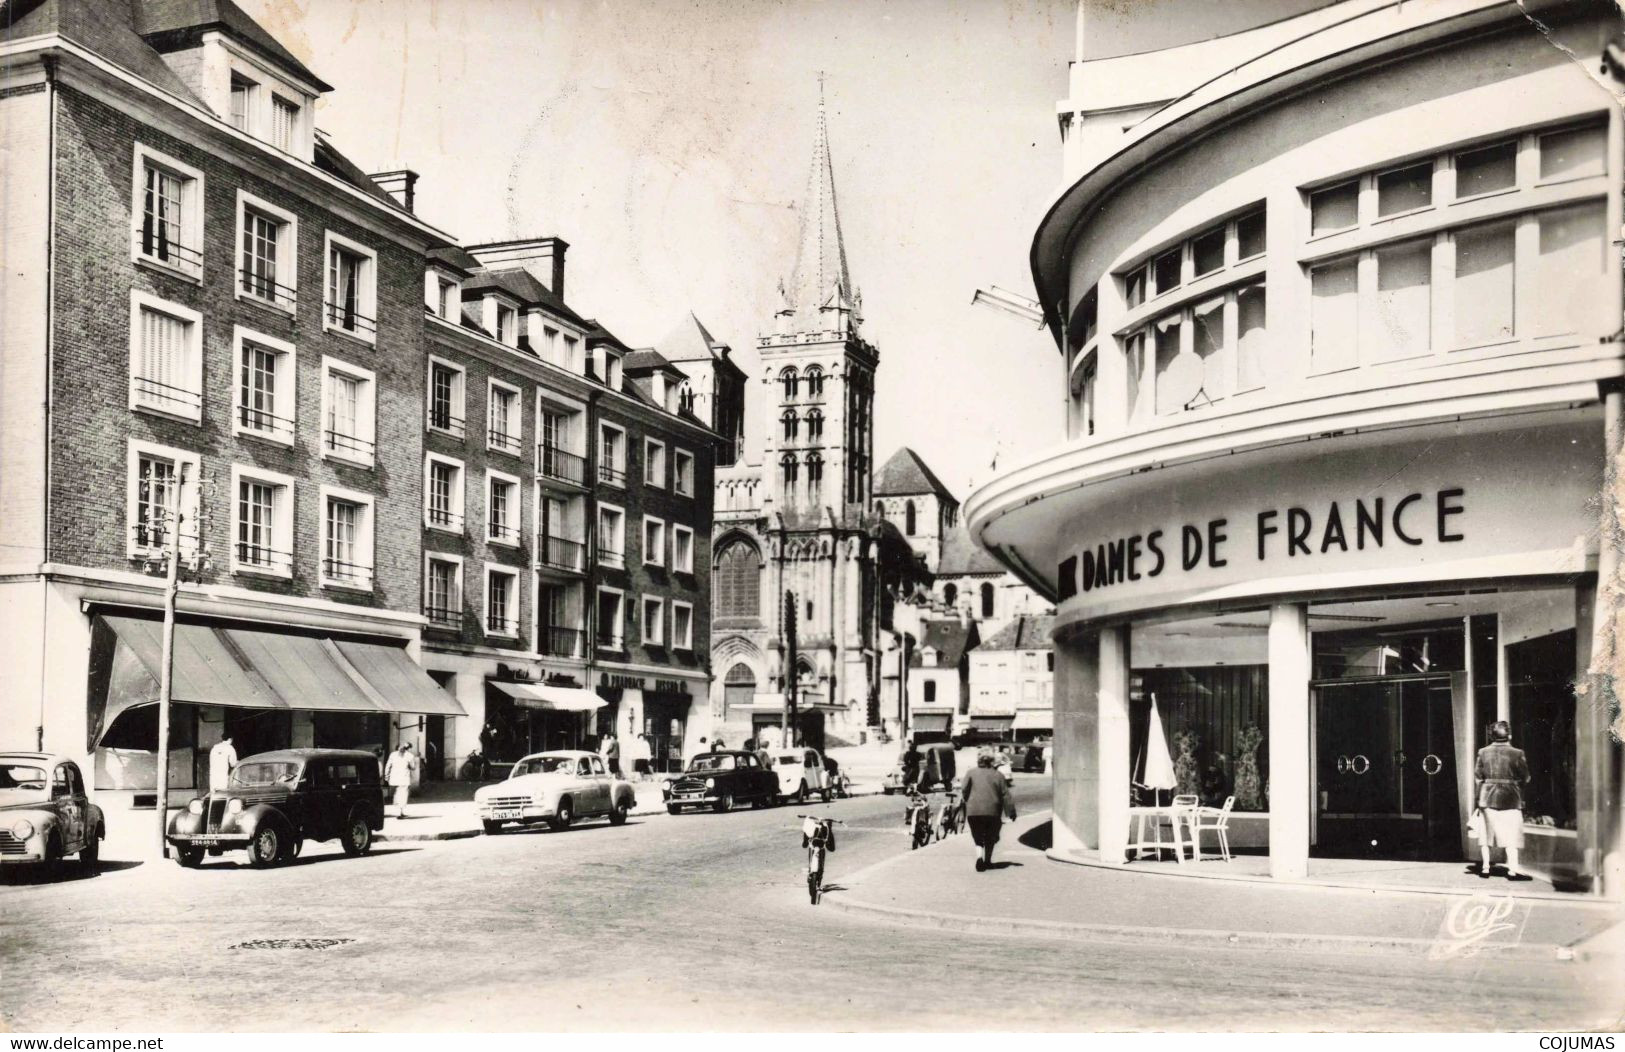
pixel 1460 504
pixel 622 681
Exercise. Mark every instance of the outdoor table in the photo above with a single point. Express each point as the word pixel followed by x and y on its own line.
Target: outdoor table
pixel 1177 816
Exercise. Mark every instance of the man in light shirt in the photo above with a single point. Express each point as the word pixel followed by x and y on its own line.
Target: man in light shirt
pixel 222 758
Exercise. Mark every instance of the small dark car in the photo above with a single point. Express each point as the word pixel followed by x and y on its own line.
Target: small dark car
pixel 276 801
pixel 718 779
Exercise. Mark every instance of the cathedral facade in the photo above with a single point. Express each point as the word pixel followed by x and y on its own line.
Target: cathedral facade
pixel 804 573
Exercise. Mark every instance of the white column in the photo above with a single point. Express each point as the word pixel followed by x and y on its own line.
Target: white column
pixel 1112 748
pixel 1290 796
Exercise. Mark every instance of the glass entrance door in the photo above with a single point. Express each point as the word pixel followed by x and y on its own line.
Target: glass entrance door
pixel 1385 769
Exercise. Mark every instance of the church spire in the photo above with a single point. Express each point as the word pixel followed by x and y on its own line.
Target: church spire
pixel 820 296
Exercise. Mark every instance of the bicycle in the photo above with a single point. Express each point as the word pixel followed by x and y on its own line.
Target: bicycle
pixel 949 819
pixel 818 837
pixel 917 818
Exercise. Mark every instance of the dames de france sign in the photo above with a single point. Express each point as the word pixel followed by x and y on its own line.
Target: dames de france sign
pixel 1460 504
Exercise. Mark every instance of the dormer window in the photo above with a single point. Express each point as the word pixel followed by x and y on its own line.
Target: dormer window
pixel 505 324
pixel 244 96
pixel 657 384
pixel 443 295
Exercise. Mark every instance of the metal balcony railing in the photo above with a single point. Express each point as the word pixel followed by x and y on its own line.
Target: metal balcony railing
pixel 561 553
pixel 445 518
pixel 440 419
pixel 502 441
pixel 443 616
pixel 612 474
pixel 561 465
pixel 351 575
pixel 261 557
pixel 166 397
pixel 347 445
pixel 612 557
pixel 265 287
pixel 156 246
pixel 560 642
pixel 502 532
pixel 265 422
pixel 350 320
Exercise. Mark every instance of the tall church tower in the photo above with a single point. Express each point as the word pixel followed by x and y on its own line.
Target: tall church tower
pixel 818 372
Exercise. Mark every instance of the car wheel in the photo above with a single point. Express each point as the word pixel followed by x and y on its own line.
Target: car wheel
pixel 53 849
pixel 617 815
pixel 724 804
pixel 562 816
pixel 826 794
pixel 357 835
pixel 673 809
pixel 801 793
pixel 189 857
pixel 266 847
pixel 91 853
pixel 492 828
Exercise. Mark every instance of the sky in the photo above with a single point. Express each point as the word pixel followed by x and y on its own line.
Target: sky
pixel 668 142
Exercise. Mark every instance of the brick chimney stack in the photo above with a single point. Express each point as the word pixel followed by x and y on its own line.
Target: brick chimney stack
pixel 400 185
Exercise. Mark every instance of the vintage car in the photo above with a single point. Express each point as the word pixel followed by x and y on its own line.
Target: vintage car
pixel 801 773
pixel 937 770
pixel 44 813
pixel 557 788
pixel 275 801
pixel 718 779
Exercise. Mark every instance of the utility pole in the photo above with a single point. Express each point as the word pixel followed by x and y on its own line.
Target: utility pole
pixel 792 667
pixel 172 587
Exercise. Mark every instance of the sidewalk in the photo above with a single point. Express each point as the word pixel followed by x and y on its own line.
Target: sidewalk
pixel 1030 895
pixel 445 810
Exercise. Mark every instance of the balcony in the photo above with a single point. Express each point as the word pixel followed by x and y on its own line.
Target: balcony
pixel 561 553
pixel 560 642
pixel 560 465
pixel 503 441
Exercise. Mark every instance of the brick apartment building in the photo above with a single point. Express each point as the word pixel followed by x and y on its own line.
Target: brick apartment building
pixel 379 450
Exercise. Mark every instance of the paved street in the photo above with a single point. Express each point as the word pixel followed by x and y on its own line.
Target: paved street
pixel 699 921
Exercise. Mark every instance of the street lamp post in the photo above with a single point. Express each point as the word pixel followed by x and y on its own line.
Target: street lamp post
pixel 172 587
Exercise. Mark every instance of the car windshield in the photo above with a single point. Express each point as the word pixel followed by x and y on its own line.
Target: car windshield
pixel 268 772
pixel 20 783
pixel 789 759
pixel 544 765
pixel 714 762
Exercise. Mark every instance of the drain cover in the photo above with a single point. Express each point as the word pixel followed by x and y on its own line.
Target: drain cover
pixel 290 944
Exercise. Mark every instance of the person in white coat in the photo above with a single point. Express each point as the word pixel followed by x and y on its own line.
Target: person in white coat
pixel 398 773
pixel 222 759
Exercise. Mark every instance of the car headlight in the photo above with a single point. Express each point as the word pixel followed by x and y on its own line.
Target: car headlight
pixel 22 829
pixel 235 806
pixel 710 783
pixel 195 807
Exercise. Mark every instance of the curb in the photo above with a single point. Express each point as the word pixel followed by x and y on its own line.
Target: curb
pixel 1187 937
pixel 467 833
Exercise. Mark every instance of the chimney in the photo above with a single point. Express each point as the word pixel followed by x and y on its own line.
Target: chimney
pixel 400 185
pixel 542 257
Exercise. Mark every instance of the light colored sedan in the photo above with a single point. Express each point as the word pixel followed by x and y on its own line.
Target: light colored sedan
pixel 555 787
pixel 801 773
pixel 44 813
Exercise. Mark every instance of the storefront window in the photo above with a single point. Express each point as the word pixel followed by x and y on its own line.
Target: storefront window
pixel 1402 650
pixel 1540 693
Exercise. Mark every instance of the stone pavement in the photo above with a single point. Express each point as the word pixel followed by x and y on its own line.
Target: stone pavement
pixel 1032 896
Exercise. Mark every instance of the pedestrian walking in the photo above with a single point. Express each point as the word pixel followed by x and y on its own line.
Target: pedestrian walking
pixel 642 755
pixel 611 748
pixel 398 773
pixel 910 759
pixel 222 759
pixel 1500 772
pixel 987 801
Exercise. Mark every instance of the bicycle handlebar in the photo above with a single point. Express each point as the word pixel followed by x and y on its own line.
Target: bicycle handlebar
pixel 818 818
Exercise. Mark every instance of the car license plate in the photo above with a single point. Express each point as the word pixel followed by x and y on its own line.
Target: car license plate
pixel 512 813
pixel 207 838
pixel 687 796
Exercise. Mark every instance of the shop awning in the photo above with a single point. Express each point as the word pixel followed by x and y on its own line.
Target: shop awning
pixel 547 696
pixel 991 723
pixel 1034 720
pixel 251 669
pixel 931 723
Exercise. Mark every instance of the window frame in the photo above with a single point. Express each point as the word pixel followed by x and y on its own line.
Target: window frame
pixel 616 467
pixel 515 601
pixel 192 218
pixel 135 450
pixel 516 415
pixel 456 601
pixel 193 367
pixel 459 512
pixel 659 558
pixel 678 485
pixel 285 396
pixel 658 637
pixel 516 508
pixel 366 414
pixel 282 523
pixel 617 560
pixel 654 462
pixel 366 308
pixel 366 551
pixel 684 566
pixel 617 644
pixel 294 121
pixel 685 641
pixel 457 423
pixel 287 253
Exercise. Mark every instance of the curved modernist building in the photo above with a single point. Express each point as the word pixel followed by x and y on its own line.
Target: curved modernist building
pixel 1340 304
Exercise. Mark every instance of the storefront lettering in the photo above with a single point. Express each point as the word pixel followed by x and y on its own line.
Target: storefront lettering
pixel 1294 531
pixel 616 679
